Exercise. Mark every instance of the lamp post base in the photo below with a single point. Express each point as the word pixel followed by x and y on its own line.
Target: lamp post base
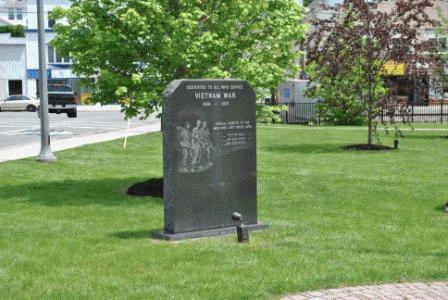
pixel 46 157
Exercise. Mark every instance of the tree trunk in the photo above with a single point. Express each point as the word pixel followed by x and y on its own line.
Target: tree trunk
pixel 370 123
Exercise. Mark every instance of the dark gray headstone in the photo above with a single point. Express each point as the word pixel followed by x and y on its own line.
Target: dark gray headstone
pixel 209 153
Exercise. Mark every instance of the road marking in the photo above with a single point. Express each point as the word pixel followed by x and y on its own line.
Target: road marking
pixel 88 126
pixel 12 132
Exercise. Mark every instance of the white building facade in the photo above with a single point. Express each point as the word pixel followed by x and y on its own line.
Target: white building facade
pixel 12 65
pixel 12 50
pixel 13 12
pixel 19 57
pixel 59 68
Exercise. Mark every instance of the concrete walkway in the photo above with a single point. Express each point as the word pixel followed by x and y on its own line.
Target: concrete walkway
pixel 32 150
pixel 408 291
pixel 98 107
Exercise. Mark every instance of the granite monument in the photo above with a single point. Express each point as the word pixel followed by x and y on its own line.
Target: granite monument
pixel 209 158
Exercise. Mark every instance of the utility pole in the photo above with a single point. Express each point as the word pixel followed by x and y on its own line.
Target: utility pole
pixel 45 154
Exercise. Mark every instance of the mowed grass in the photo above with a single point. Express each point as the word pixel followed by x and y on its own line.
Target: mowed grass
pixel 337 217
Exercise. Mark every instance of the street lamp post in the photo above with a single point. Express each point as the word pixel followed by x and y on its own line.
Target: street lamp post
pixel 45 154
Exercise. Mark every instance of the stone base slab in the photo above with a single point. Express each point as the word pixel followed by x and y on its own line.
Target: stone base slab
pixel 204 233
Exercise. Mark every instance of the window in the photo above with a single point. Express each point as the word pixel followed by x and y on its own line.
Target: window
pixel 55 58
pixel 15 87
pixel 11 98
pixel 51 23
pixel 11 15
pixel 59 88
pixel 19 14
pixel 50 54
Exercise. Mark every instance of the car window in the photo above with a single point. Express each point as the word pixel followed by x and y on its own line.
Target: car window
pixel 22 97
pixel 59 88
pixel 12 98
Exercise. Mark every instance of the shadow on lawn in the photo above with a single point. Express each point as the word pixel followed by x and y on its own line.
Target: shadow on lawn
pixel 108 192
pixel 441 208
pixel 133 234
pixel 425 137
pixel 304 148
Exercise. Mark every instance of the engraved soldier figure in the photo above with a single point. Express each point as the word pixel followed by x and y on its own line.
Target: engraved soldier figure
pixel 196 142
pixel 185 144
pixel 206 145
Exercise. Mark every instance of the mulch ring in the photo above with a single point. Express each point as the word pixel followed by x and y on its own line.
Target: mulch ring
pixel 372 147
pixel 151 188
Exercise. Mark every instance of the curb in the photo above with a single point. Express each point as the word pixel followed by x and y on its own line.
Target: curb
pixel 32 150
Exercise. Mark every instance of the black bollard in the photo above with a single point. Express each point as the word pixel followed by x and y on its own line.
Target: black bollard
pixel 396 144
pixel 241 230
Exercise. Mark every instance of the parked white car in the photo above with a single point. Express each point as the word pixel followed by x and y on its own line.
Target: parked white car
pixel 18 103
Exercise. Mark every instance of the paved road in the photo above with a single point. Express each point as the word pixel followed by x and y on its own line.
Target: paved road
pixel 22 128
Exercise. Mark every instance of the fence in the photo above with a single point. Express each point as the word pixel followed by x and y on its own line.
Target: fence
pixel 300 113
pixel 417 113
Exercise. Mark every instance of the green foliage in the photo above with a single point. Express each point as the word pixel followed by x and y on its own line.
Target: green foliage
pixel 341 103
pixel 353 47
pixel 15 30
pixel 135 48
pixel 307 2
pixel 270 114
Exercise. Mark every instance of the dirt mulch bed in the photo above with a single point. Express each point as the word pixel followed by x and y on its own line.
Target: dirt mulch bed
pixel 151 188
pixel 372 147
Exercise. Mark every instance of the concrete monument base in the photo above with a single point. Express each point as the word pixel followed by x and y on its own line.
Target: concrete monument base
pixel 204 233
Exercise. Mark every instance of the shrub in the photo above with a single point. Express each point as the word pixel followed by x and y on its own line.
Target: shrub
pixel 270 113
pixel 15 30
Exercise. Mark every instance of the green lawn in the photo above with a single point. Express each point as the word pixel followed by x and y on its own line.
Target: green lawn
pixel 337 217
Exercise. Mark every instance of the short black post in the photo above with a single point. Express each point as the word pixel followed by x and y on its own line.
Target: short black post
pixel 241 230
pixel 446 207
pixel 396 144
pixel 441 110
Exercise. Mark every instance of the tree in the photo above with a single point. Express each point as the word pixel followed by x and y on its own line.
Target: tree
pixel 340 105
pixel 355 47
pixel 307 2
pixel 134 48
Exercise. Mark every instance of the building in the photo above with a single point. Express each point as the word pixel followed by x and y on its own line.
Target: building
pixel 12 50
pixel 13 12
pixel 58 68
pixel 19 57
pixel 12 65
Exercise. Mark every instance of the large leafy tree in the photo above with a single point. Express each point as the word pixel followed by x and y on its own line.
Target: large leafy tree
pixel 134 48
pixel 356 46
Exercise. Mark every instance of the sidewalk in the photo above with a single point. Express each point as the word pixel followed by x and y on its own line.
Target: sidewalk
pixel 32 150
pixel 408 291
pixel 98 107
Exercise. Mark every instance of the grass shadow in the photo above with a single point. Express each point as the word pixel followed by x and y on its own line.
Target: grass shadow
pixel 303 148
pixel 107 192
pixel 426 137
pixel 133 234
pixel 441 208
pixel 365 147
